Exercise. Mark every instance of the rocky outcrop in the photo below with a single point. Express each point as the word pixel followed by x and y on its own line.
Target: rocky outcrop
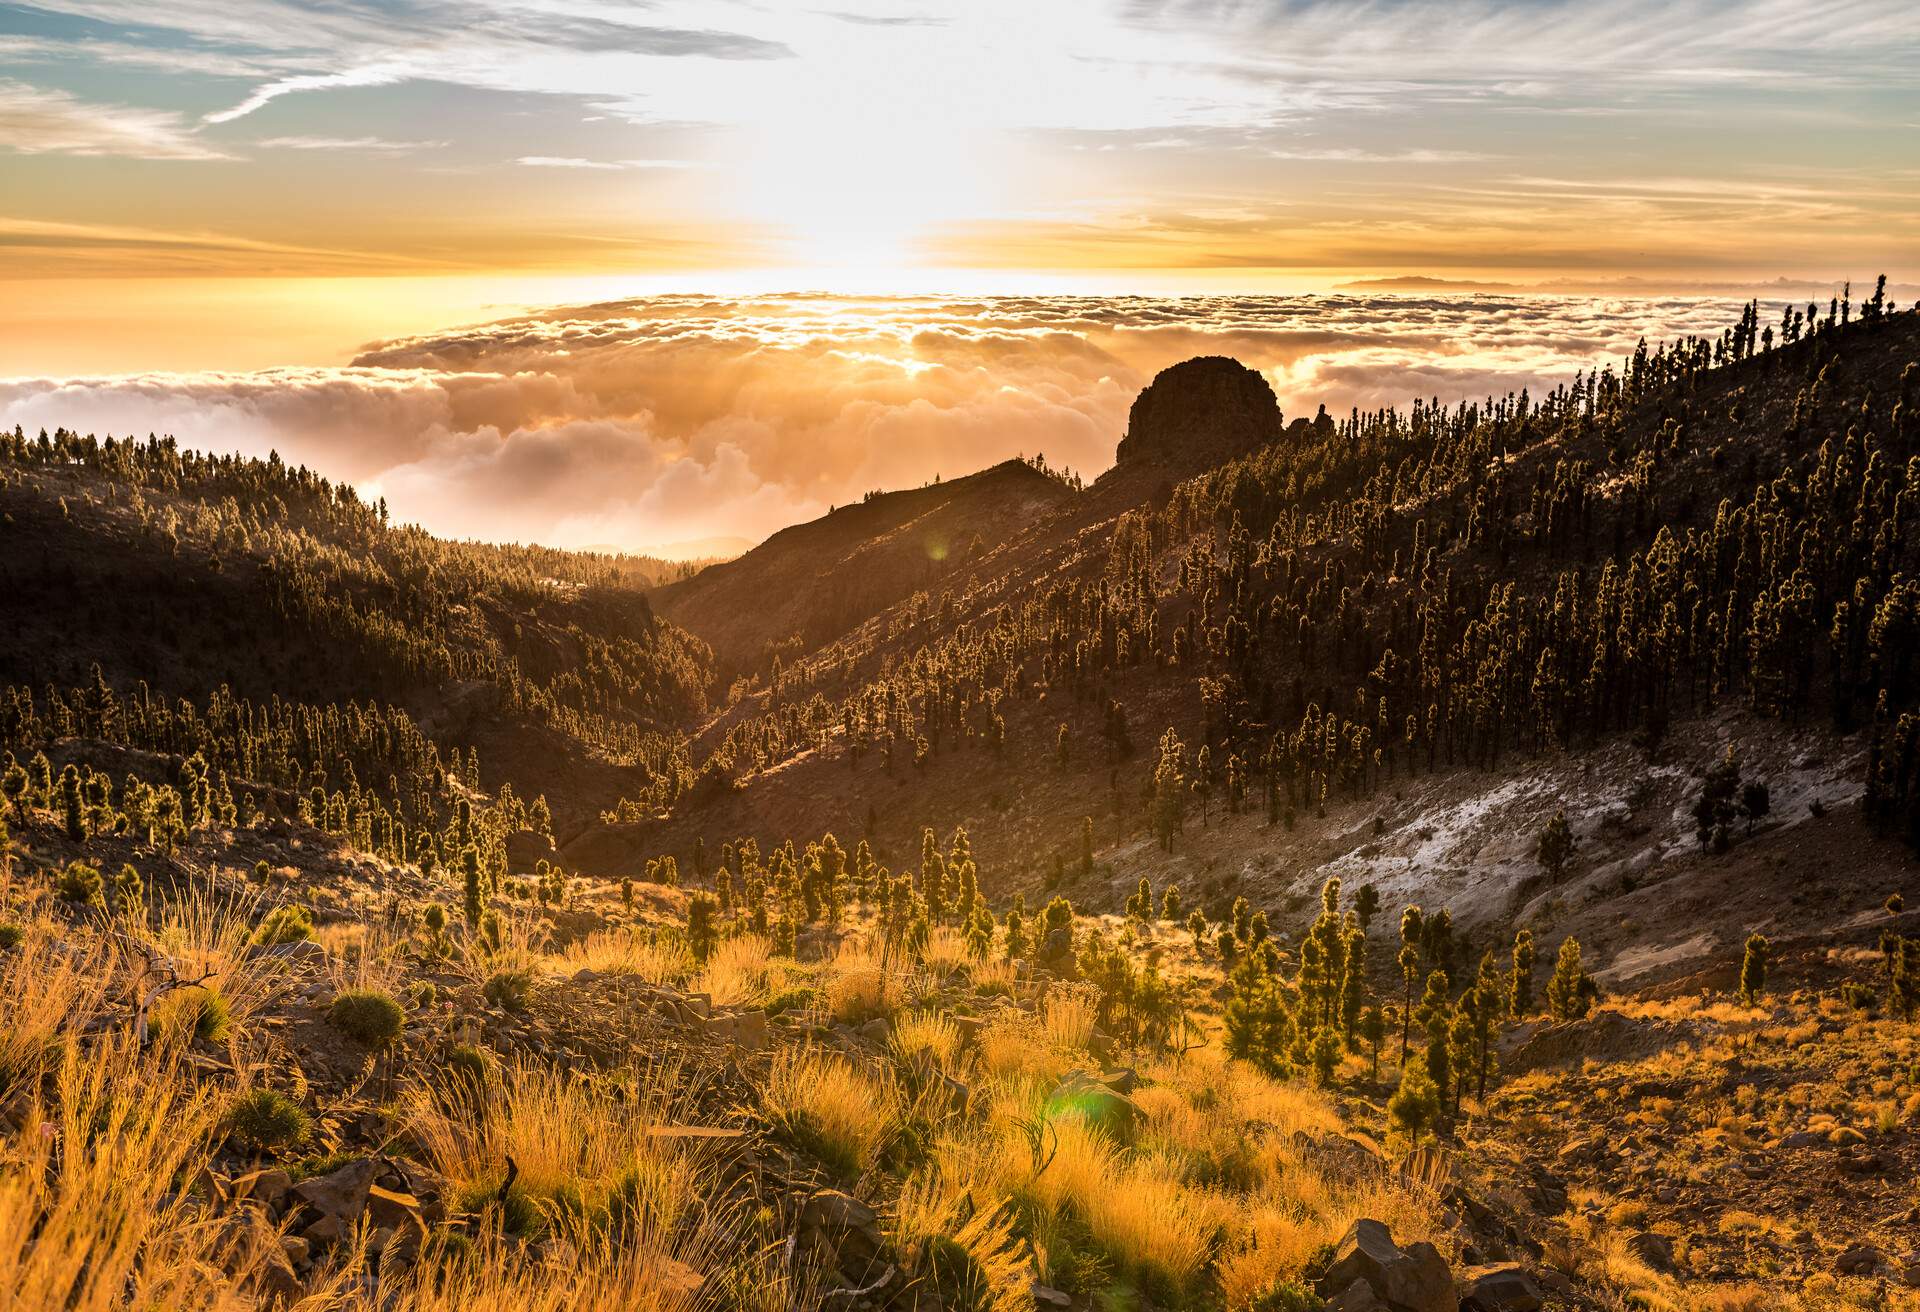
pixel 1410 1279
pixel 1198 413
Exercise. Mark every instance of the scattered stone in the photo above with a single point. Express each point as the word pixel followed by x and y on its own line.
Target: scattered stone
pixel 1410 1279
pixel 1356 1297
pixel 1047 1296
pixel 1504 1288
pixel 1099 1102
pixel 1860 1260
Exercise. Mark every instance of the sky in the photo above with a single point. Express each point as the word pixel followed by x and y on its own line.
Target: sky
pixel 205 189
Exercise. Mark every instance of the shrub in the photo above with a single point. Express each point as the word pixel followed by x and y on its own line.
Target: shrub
pixel 1415 1105
pixel 262 1120
pixel 200 1011
pixel 472 1066
pixel 509 989
pixel 831 1109
pixel 10 936
pixel 284 925
pixel 367 1016
pixel 80 883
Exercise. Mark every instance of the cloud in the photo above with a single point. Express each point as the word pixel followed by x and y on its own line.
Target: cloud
pixel 44 121
pixel 676 417
pixel 373 76
pixel 575 162
pixel 352 145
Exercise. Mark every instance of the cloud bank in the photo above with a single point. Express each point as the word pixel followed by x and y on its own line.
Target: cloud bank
pixel 645 422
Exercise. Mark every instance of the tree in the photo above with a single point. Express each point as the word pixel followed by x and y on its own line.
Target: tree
pixel 1086 846
pixel 72 808
pixel 1753 969
pixel 1713 810
pixel 1140 905
pixel 1170 790
pixel 1170 904
pixel 1571 991
pixel 1520 981
pixel 1903 978
pixel 1556 846
pixel 702 930
pixel 1373 1028
pixel 1324 1052
pixel 1197 926
pixel 1410 928
pixel 1366 902
pixel 470 872
pixel 1756 800
pixel 1415 1105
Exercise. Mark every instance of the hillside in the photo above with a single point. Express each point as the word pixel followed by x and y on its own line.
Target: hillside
pixel 1448 860
pixel 810 583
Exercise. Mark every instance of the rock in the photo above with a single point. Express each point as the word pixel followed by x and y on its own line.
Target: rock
pixel 266 1188
pixel 1047 1296
pixel 876 1031
pixel 296 1250
pixel 339 1196
pixel 1860 1260
pixel 1199 413
pixel 1056 952
pixel 301 953
pixel 526 849
pixel 1410 1279
pixel 1504 1288
pixel 1803 1139
pixel 1356 1297
pixel 1653 1249
pixel 970 1027
pixel 843 1226
pixel 1098 1102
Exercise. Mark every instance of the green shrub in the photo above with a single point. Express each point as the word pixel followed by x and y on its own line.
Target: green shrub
pixel 1287 1296
pixel 471 1065
pixel 262 1120
pixel 367 1016
pixel 284 925
pixel 509 989
pixel 795 997
pixel 200 1011
pixel 10 936
pixel 81 883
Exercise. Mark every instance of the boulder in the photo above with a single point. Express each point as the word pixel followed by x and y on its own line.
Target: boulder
pixel 340 1196
pixel 1410 1279
pixel 1859 1260
pixel 842 1225
pixel 1356 1297
pixel 1503 1288
pixel 526 849
pixel 1096 1101
pixel 264 1188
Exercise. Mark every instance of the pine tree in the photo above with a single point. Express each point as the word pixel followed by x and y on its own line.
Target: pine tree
pixel 702 927
pixel 1086 847
pixel 1415 1105
pixel 1170 903
pixel 1556 846
pixel 1753 969
pixel 1373 1028
pixel 470 874
pixel 1520 981
pixel 1571 991
pixel 73 811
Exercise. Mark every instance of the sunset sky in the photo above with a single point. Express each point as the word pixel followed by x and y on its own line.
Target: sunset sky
pixel 238 185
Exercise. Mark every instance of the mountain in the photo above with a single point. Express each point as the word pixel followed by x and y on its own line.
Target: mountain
pixel 808 584
pixel 1445 859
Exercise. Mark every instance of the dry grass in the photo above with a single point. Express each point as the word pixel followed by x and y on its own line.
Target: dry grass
pixel 624 952
pixel 1067 1015
pixel 842 1114
pixel 859 986
pixel 738 972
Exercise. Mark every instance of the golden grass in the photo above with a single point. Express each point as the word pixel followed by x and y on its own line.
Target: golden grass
pixel 859 986
pixel 625 952
pixel 965 1249
pixel 843 1114
pixel 1067 1015
pixel 931 1033
pixel 737 973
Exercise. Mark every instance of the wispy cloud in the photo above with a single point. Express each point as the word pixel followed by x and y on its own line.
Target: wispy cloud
pixel 352 145
pixel 43 121
pixel 601 165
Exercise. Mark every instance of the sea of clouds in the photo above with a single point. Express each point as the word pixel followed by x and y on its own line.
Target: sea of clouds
pixel 658 421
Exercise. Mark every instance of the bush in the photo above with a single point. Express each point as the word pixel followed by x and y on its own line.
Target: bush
pixel 471 1066
pixel 200 1012
pixel 367 1016
pixel 10 936
pixel 284 925
pixel 509 989
pixel 262 1120
pixel 795 997
pixel 1287 1296
pixel 80 883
